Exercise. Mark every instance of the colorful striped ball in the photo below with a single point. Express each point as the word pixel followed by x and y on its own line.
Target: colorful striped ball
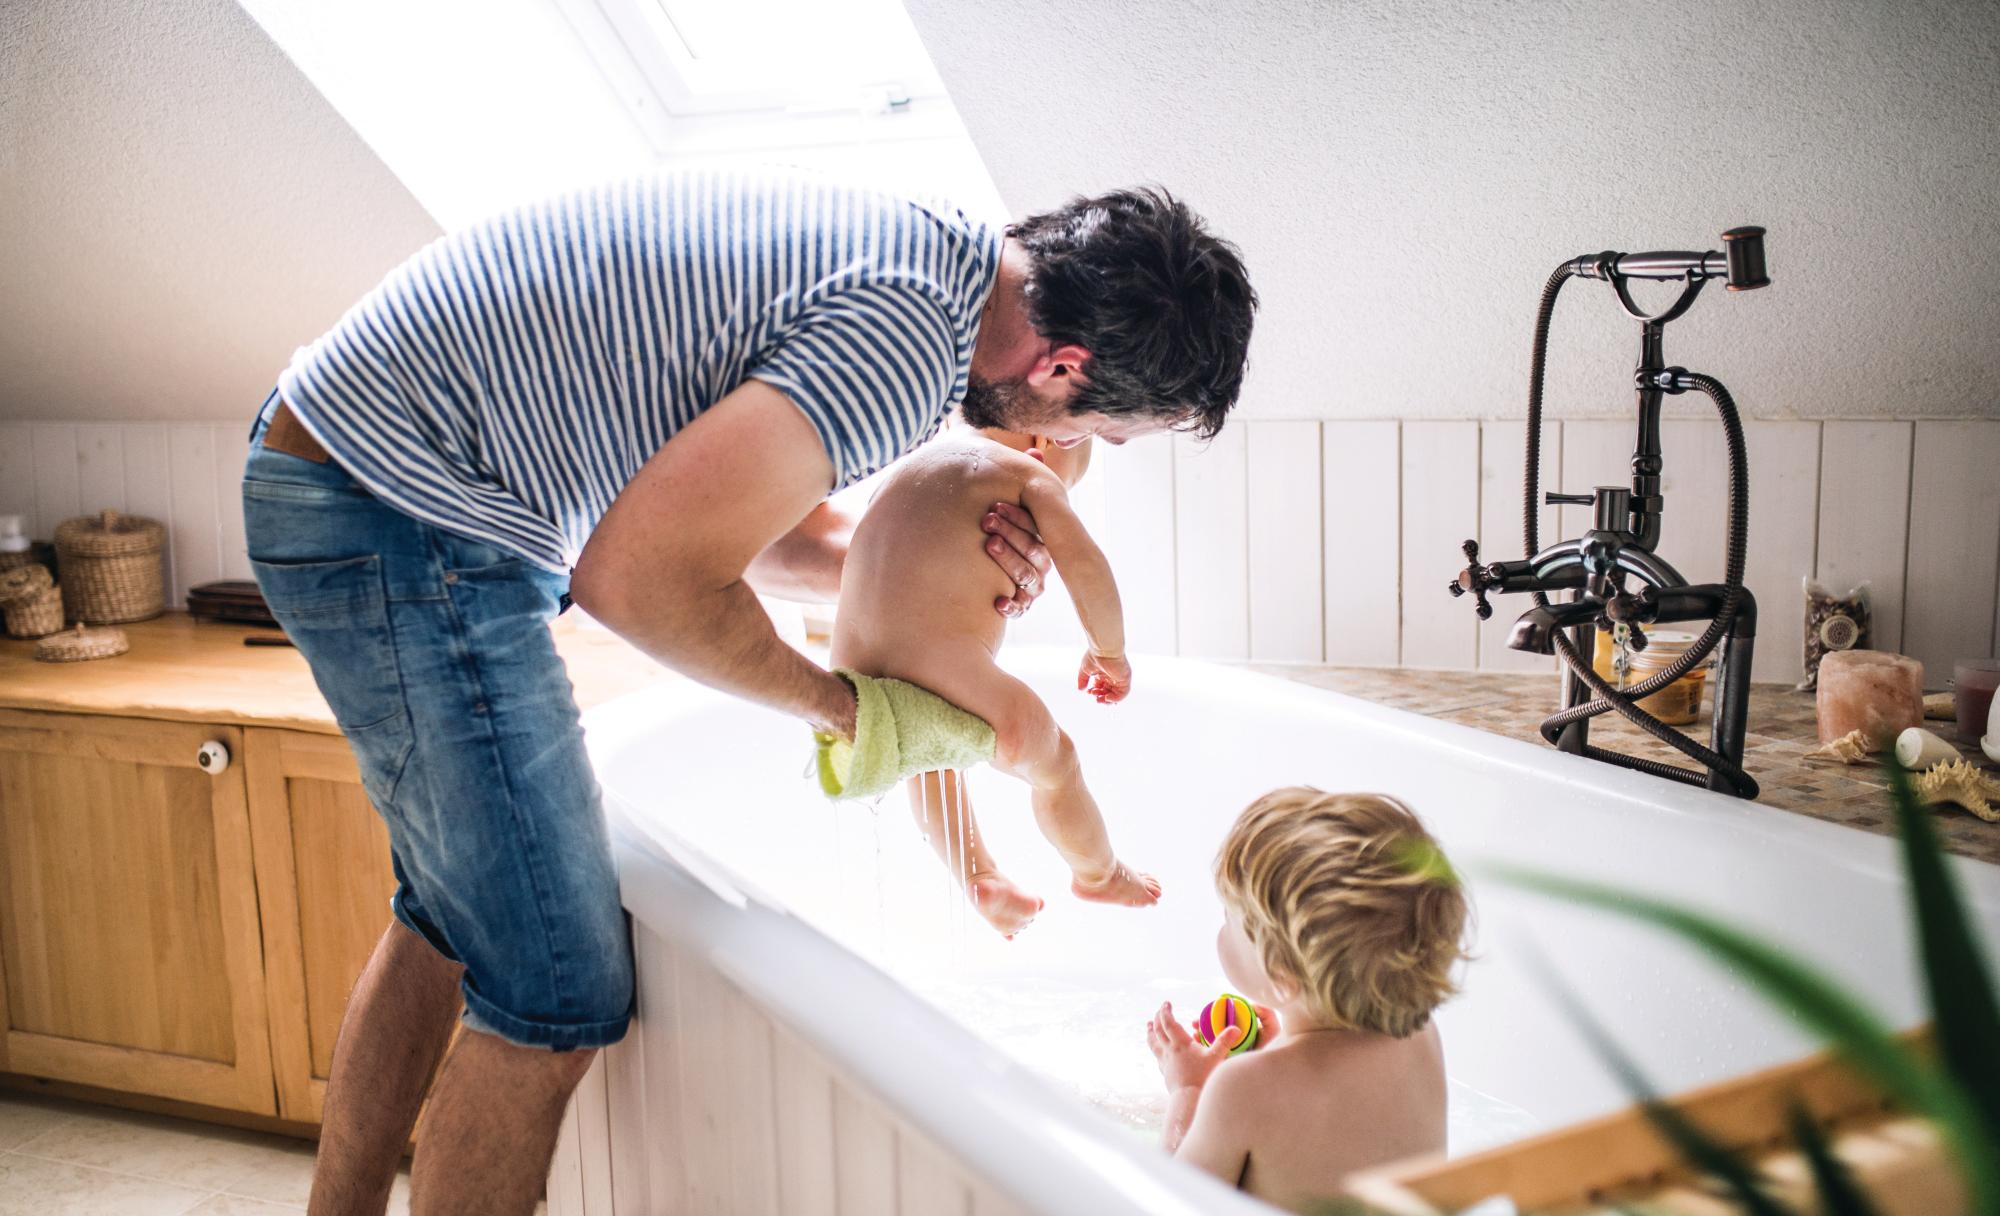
pixel 1223 1012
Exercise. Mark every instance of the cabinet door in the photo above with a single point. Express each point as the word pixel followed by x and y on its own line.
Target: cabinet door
pixel 324 885
pixel 129 948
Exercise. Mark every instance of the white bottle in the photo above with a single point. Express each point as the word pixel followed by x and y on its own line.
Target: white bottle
pixel 12 540
pixel 1991 743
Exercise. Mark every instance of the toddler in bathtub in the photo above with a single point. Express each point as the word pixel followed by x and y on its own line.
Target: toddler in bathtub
pixel 1344 920
pixel 916 604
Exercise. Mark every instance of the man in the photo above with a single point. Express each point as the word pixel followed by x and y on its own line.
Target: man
pixel 639 397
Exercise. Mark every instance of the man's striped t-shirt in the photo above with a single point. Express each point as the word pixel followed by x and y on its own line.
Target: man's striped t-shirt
pixel 508 380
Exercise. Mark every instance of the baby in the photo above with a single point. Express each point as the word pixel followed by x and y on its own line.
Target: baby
pixel 1342 918
pixel 916 603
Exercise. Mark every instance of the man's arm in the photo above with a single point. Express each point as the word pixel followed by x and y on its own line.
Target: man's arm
pixel 1085 570
pixel 665 567
pixel 804 564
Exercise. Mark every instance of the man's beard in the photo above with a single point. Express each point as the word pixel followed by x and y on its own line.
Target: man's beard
pixel 991 403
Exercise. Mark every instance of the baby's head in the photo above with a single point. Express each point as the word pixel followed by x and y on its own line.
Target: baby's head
pixel 1344 903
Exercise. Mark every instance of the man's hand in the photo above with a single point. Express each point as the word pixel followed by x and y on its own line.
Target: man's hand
pixel 1016 547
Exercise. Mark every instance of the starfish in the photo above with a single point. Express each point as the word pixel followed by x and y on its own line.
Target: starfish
pixel 1959 782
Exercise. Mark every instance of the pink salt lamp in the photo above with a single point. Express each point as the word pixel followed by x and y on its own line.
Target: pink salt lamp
pixel 1881 695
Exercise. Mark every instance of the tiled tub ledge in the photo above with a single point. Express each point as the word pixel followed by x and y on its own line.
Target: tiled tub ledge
pixel 1782 729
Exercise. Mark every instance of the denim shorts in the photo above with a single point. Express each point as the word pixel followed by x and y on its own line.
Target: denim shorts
pixel 434 653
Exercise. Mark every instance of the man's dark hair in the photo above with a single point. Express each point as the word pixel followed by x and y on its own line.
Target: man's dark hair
pixel 1163 305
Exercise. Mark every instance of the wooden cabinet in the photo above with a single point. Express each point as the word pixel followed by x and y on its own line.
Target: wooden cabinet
pixel 324 882
pixel 178 934
pixel 129 942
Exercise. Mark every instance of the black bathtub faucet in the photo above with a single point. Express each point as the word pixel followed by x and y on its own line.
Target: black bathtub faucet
pixel 1614 578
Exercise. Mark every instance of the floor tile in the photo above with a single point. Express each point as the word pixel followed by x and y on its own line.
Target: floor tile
pixel 25 1116
pixel 32 1186
pixel 237 1205
pixel 153 1146
pixel 284 1175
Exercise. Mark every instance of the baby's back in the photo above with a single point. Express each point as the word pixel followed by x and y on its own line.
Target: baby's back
pixel 1329 1104
pixel 917 578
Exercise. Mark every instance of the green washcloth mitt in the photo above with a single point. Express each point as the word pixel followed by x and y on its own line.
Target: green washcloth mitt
pixel 900 730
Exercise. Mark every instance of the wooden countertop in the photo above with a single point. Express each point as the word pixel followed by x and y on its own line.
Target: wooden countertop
pixel 195 671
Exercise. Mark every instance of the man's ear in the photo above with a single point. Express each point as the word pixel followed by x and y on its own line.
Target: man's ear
pixel 1059 364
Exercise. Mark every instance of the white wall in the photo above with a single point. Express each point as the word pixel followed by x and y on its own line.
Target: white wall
pixel 1402 176
pixel 179 210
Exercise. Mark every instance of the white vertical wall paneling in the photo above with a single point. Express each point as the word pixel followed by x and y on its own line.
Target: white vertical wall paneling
pixel 1138 536
pixel 149 488
pixel 232 448
pixel 1286 621
pixel 1212 596
pixel 807 1176
pixel 1954 520
pixel 1695 483
pixel 100 466
pixel 1361 500
pixel 625 1068
pixel 1595 452
pixel 661 1035
pixel 17 477
pixel 731 1137
pixel 1864 490
pixel 55 473
pixel 865 1148
pixel 1502 462
pixel 1784 511
pixel 191 531
pixel 1440 509
pixel 986 1201
pixel 928 1183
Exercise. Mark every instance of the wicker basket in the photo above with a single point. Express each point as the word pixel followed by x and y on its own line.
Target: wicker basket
pixel 36 614
pixel 111 567
pixel 80 644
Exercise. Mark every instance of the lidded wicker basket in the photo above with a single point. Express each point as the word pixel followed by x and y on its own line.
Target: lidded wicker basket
pixel 30 602
pixel 111 567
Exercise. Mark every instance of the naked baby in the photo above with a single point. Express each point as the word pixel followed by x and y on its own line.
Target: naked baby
pixel 916 604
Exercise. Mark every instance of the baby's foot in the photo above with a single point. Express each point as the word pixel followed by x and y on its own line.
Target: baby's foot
pixel 1005 906
pixel 1123 885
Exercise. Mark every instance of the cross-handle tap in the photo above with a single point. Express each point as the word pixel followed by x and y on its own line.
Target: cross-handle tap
pixel 1475 578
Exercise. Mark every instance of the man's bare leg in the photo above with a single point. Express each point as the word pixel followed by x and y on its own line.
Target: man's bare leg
pixel 491 1127
pixel 943 810
pixel 399 1018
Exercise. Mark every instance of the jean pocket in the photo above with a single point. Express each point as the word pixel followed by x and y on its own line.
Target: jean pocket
pixel 337 614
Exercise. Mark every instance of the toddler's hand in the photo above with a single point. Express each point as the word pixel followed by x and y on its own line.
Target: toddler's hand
pixel 1184 1062
pixel 1106 677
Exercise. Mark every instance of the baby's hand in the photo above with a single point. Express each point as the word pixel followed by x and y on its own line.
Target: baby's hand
pixel 1106 677
pixel 1184 1062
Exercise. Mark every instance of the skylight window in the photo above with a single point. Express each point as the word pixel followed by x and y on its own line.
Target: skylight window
pixel 792 54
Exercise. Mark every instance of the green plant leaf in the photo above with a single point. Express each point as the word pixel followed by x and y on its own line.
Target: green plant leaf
pixel 1964 1007
pixel 1821 1006
pixel 1838 1194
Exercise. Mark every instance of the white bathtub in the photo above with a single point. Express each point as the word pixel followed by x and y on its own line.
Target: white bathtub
pixel 796 962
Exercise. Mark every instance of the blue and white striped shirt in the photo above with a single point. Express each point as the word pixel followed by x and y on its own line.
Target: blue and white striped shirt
pixel 508 380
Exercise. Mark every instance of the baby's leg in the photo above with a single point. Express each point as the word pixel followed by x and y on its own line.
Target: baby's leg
pixel 943 810
pixel 1032 747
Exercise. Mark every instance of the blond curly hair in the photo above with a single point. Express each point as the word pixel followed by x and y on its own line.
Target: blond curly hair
pixel 1347 896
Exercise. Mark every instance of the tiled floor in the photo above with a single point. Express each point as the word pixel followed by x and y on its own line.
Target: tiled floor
pixel 1782 728
pixel 67 1159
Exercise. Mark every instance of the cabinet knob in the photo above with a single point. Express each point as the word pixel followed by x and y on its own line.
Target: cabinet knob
pixel 213 758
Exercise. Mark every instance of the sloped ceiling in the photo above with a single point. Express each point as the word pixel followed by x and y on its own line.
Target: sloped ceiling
pixel 179 209
pixel 1403 176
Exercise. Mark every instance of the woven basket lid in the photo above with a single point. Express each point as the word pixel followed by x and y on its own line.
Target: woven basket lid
pixel 20 582
pixel 80 643
pixel 110 534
